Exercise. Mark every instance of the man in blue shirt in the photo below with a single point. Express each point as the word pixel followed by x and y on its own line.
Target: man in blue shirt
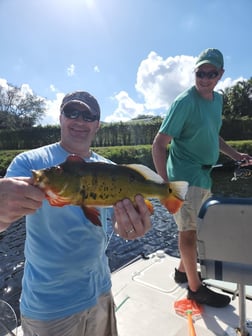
pixel 66 287
pixel 192 126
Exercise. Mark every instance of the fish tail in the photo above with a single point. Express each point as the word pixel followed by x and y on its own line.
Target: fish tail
pixel 177 192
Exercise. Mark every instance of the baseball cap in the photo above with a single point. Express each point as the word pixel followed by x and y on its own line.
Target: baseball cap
pixel 82 98
pixel 210 56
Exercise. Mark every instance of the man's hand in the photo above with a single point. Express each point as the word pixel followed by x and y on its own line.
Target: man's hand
pixel 245 159
pixel 132 222
pixel 18 197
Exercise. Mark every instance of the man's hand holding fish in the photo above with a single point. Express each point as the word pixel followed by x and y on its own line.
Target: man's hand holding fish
pixel 18 197
pixel 126 213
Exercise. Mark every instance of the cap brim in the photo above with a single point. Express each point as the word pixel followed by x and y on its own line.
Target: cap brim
pixel 217 66
pixel 77 102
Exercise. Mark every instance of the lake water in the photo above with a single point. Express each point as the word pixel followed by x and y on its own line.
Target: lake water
pixel 163 235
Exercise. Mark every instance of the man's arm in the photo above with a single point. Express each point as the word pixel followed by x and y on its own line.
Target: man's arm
pixel 233 153
pixel 159 153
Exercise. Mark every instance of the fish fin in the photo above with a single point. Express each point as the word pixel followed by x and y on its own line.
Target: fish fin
pixel 74 158
pixel 179 189
pixel 148 173
pixel 149 206
pixel 57 201
pixel 174 201
pixel 92 214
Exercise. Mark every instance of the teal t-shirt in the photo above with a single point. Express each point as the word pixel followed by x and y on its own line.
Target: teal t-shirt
pixel 194 124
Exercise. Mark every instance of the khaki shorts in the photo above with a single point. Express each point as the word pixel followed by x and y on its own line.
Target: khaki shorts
pixel 186 218
pixel 97 321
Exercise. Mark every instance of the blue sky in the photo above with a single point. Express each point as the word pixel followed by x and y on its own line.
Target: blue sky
pixel 134 56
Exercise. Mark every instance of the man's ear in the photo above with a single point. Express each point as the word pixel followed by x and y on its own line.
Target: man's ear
pixel 98 126
pixel 221 72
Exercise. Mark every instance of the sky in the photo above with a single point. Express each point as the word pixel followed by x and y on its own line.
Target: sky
pixel 134 56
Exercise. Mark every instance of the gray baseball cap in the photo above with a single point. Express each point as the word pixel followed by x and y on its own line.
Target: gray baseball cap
pixel 82 98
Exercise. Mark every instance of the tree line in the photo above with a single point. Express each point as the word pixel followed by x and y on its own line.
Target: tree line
pixel 114 134
pixel 20 113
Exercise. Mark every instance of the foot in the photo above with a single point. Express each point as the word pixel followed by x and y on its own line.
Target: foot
pixel 204 295
pixel 180 277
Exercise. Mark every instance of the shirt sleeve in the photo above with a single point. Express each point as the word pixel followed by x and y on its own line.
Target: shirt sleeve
pixel 20 166
pixel 174 121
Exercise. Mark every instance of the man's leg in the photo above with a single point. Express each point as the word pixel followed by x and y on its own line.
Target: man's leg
pixel 188 252
pixel 186 219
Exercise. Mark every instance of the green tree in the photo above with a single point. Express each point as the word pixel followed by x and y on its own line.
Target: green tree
pixel 19 110
pixel 238 100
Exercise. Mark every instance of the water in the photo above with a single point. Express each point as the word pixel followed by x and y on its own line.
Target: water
pixel 163 235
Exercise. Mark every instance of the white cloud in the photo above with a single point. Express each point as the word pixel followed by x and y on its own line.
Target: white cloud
pixel 127 108
pixel 3 83
pixel 53 88
pixel 25 89
pixel 158 82
pixel 96 68
pixel 227 82
pixel 52 111
pixel 71 70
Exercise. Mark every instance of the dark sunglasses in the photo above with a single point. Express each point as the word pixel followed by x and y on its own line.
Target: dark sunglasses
pixel 209 75
pixel 72 113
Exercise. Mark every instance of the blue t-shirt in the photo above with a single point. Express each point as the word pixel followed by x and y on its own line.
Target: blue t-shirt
pixel 66 269
pixel 194 123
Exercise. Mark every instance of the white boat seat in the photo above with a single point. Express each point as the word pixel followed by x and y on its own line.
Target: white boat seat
pixel 225 244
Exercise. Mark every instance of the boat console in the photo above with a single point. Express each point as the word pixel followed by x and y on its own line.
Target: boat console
pixel 225 246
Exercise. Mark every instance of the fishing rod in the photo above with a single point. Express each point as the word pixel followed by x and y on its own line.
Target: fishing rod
pixel 242 169
pixel 6 329
pixel 8 319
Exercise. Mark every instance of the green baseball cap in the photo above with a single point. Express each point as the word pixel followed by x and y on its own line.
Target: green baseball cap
pixel 210 56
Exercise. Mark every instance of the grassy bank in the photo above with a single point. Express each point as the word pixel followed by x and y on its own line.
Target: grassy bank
pixel 124 154
pixel 119 154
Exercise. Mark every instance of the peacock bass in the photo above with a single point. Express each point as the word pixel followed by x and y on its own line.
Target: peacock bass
pixel 97 184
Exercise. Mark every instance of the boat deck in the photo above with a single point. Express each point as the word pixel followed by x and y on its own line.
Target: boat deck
pixel 145 293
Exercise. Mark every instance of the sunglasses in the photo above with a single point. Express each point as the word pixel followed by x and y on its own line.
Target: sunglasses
pixel 209 75
pixel 72 113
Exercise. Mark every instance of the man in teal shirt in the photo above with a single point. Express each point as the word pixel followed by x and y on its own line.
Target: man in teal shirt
pixel 192 127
